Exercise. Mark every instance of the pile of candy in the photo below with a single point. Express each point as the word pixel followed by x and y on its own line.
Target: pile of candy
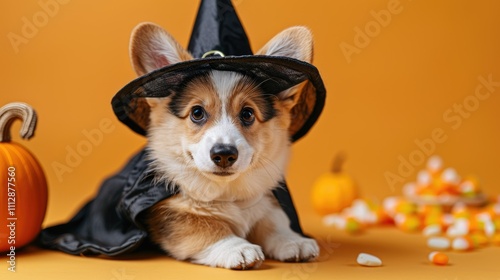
pixel 462 225
pixel 438 185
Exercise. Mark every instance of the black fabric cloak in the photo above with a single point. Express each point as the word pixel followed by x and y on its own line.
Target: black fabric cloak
pixel 111 223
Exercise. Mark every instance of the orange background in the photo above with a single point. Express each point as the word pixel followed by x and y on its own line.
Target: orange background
pixel 395 89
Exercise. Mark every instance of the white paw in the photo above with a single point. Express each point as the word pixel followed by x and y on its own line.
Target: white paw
pixel 292 248
pixel 232 252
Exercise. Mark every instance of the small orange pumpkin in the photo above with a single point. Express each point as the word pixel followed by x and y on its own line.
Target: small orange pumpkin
pixel 333 191
pixel 23 196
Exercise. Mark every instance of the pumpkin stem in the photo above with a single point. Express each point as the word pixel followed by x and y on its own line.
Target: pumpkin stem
pixel 17 110
pixel 338 161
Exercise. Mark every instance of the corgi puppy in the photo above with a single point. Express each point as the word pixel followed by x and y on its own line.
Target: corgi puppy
pixel 224 143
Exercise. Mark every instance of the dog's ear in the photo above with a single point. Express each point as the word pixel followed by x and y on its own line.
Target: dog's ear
pixel 295 42
pixel 151 47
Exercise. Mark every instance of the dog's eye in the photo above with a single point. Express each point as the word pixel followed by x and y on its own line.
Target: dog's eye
pixel 247 116
pixel 198 114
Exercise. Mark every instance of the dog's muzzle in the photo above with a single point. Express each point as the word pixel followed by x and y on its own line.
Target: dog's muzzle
pixel 224 155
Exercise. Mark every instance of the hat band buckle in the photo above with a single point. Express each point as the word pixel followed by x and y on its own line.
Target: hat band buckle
pixel 213 53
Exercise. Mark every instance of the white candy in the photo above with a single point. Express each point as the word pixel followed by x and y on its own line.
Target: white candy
pixel 450 176
pixel 460 244
pixel 434 163
pixel 459 228
pixel 399 219
pixel 432 230
pixel 410 189
pixel 359 209
pixel 368 260
pixel 489 228
pixel 462 225
pixel 334 220
pixel 441 243
pixel 424 178
pixel 389 204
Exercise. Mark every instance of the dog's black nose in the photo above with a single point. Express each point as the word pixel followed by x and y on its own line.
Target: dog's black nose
pixel 224 155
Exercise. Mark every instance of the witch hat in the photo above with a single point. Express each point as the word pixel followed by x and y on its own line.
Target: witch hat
pixel 218 30
pixel 217 27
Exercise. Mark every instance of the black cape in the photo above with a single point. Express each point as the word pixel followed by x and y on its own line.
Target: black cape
pixel 111 224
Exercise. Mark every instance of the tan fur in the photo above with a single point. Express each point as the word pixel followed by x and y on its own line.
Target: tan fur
pixel 199 93
pixel 209 220
pixel 180 231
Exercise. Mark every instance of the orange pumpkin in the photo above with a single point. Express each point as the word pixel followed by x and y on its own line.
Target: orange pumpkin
pixel 333 191
pixel 24 187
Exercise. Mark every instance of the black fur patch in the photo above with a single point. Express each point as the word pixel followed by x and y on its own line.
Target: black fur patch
pixel 179 101
pixel 263 100
pixel 268 110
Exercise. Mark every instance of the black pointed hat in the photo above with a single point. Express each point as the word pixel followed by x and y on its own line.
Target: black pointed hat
pixel 218 28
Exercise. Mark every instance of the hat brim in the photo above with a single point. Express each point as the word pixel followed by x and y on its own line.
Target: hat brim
pixel 273 75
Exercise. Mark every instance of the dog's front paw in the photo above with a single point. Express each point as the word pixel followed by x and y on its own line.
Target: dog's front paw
pixel 232 252
pixel 292 248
